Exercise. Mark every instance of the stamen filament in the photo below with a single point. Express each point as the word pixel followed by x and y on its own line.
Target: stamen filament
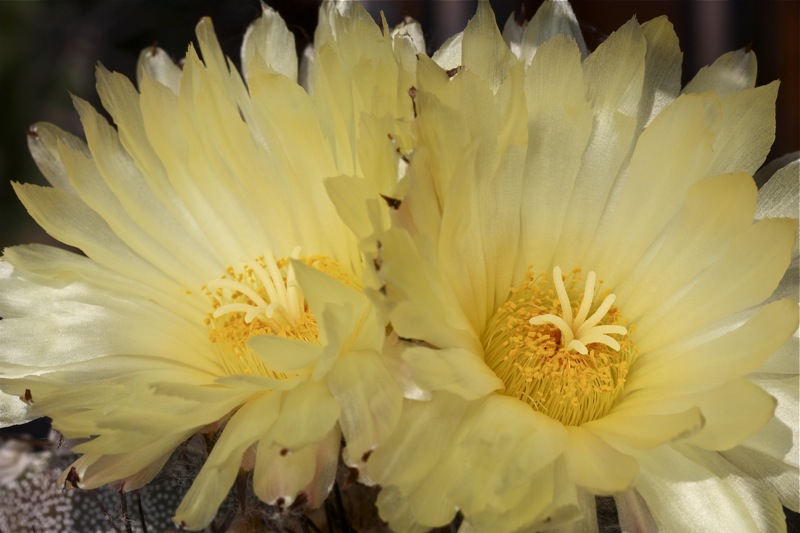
pixel 235 286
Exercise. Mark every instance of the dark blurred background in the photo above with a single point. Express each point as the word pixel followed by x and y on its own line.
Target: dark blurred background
pixel 50 47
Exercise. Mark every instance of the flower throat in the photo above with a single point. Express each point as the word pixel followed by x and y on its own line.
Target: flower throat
pixel 555 352
pixel 263 297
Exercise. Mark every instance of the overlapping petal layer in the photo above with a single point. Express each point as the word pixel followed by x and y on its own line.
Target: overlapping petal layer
pixel 220 292
pixel 532 155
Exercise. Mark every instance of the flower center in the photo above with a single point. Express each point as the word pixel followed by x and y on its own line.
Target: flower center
pixel 263 297
pixel 561 360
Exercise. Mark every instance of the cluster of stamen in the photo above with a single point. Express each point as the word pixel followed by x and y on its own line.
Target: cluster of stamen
pixel 562 361
pixel 262 297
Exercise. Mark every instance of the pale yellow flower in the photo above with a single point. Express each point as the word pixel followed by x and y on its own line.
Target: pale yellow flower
pixel 579 291
pixel 220 292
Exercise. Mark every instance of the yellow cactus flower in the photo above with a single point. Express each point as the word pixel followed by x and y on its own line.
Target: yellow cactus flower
pixel 220 293
pixel 576 286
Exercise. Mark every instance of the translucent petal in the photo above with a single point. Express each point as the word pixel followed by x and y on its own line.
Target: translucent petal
pixel 269 43
pixel 96 471
pixel 559 126
pixel 483 49
pixel 729 356
pixel 43 140
pixel 685 493
pixel 643 426
pixel 211 486
pixel 754 263
pixel 370 401
pixel 595 465
pixel 655 184
pixel 454 370
pixel 281 474
pixel 308 413
pixel 551 19
pixel 747 130
pixel 448 56
pixel 156 63
pixel 732 413
pixel 713 212
pixel 662 75
pixel 734 71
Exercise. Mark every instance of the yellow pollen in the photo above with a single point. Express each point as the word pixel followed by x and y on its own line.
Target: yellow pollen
pixel 263 297
pixel 560 360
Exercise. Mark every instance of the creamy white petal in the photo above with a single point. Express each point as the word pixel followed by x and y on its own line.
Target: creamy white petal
pixel 448 56
pixel 695 236
pixel 370 401
pixel 754 263
pixel 559 128
pixel 594 465
pixel 732 413
pixel 662 75
pixel 747 130
pixel 13 410
pixel 410 31
pixel 551 19
pixel 734 71
pixel 43 140
pixel 312 403
pixel 654 187
pixel 156 63
pixel 211 486
pixel 695 490
pixel 778 197
pixel 739 352
pixel 269 43
pixel 613 74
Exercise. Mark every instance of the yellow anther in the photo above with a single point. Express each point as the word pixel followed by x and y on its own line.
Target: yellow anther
pixel 559 359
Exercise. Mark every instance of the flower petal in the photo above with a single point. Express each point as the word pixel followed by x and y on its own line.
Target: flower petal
pixel 308 413
pixel 559 128
pixel 697 492
pixel 595 465
pixel 370 401
pixel 483 49
pixel 551 19
pixel 644 426
pixel 747 130
pixel 732 413
pixel 284 355
pixel 729 356
pixel 156 63
pixel 212 484
pixel 714 211
pixel 754 263
pixel 734 71
pixel 268 43
pixel 43 143
pixel 662 74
